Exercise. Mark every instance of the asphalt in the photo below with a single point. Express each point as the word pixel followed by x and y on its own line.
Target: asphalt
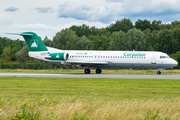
pixel 79 75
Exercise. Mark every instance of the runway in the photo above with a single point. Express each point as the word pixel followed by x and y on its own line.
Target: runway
pixel 79 75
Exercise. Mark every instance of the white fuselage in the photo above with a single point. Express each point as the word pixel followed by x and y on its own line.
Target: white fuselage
pixel 120 59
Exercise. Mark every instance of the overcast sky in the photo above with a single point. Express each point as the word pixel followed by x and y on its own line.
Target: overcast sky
pixel 47 17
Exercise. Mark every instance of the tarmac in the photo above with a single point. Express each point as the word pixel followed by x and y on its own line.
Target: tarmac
pixel 82 75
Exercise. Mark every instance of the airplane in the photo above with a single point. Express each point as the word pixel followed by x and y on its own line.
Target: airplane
pixel 97 59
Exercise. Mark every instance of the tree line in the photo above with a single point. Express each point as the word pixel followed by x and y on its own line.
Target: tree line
pixel 144 35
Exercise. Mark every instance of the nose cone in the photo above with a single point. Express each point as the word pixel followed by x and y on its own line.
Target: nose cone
pixel 174 63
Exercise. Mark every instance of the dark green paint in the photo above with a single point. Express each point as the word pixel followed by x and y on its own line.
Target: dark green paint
pixel 57 56
pixel 38 44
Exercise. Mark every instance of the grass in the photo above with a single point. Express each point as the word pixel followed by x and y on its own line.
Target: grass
pixel 120 71
pixel 89 98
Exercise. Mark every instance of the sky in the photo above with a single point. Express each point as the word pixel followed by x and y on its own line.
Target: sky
pixel 47 17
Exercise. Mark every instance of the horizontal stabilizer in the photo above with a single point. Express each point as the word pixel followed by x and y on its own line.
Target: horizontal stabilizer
pixel 20 34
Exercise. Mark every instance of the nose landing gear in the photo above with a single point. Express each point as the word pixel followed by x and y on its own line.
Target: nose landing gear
pixel 159 72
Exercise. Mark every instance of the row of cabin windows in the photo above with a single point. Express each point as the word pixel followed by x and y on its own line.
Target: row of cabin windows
pixel 81 56
pixel 75 56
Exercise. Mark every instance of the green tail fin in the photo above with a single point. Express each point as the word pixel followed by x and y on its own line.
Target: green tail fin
pixel 34 42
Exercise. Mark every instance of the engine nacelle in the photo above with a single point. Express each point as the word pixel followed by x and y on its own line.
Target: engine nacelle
pixel 58 56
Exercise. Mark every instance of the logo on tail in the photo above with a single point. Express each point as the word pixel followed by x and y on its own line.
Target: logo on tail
pixel 34 44
pixel 33 41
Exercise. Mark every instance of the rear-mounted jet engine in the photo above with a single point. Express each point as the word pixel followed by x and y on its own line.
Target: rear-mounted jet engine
pixel 58 56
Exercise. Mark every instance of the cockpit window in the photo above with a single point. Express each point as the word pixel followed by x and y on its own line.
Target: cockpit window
pixel 163 57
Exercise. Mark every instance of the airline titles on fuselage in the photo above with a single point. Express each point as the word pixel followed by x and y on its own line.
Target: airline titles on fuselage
pixel 134 54
pixel 125 54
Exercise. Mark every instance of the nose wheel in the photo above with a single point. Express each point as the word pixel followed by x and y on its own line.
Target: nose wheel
pixel 159 72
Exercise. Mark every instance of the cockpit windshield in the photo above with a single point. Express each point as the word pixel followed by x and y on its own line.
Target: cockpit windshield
pixel 163 57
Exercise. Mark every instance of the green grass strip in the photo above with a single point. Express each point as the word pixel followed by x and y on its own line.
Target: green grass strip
pixel 89 88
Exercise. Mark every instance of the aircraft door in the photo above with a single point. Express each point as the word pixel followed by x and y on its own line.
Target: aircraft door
pixel 153 59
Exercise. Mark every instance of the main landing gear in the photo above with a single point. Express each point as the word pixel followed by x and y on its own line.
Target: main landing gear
pixel 159 72
pixel 88 71
pixel 98 71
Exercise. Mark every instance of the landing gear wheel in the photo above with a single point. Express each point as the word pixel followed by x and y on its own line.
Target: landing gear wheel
pixel 158 72
pixel 98 71
pixel 87 71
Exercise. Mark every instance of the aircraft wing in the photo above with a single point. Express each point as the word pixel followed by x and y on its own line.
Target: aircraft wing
pixel 87 62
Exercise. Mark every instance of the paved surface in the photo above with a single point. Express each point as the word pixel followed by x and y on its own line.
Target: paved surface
pixel 75 75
